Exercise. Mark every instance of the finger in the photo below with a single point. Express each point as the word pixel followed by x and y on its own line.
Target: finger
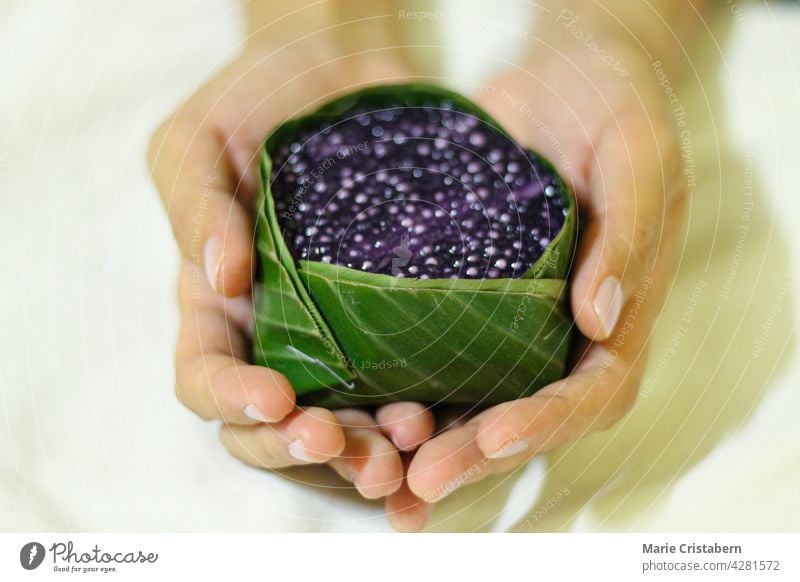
pixel 445 463
pixel 196 180
pixel 407 424
pixel 308 435
pixel 405 511
pixel 368 460
pixel 595 396
pixel 633 191
pixel 212 377
pixel 599 391
pixel 452 460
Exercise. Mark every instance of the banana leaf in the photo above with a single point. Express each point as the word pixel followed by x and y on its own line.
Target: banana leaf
pixel 343 336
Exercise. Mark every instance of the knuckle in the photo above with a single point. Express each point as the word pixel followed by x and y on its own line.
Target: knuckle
pixel 171 138
pixel 186 391
pixel 620 405
pixel 631 254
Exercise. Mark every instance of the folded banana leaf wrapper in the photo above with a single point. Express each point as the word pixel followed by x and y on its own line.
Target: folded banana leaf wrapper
pixel 408 249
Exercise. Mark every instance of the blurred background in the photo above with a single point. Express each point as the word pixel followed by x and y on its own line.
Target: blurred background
pixel 92 436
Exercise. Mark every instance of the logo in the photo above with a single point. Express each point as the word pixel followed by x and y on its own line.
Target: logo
pixel 403 256
pixel 31 555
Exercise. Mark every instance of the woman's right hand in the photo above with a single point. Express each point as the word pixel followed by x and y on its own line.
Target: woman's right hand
pixel 203 161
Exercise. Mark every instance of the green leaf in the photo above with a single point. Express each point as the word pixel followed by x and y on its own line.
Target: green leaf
pixel 345 337
pixel 290 334
pixel 468 342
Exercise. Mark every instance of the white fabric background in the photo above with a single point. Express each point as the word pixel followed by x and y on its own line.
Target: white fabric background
pixel 93 439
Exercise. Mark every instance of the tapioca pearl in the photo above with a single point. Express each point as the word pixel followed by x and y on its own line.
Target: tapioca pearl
pixel 505 218
pixel 462 125
pixel 479 179
pixel 471 272
pixel 474 167
pixel 549 191
pixel 544 241
pixel 424 149
pixel 501 263
pixel 494 156
pixel 520 182
pixel 477 139
pixel 361 198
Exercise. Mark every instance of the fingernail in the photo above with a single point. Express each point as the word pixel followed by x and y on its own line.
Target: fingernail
pixel 250 411
pixel 608 304
pixel 512 448
pixel 212 257
pixel 298 450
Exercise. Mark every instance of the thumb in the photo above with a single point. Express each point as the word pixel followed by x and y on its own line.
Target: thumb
pixel 634 192
pixel 192 167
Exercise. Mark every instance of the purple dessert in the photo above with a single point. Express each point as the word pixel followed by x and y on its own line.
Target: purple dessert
pixel 424 192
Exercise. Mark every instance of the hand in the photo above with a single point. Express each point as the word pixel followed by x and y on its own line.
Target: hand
pixel 611 138
pixel 202 160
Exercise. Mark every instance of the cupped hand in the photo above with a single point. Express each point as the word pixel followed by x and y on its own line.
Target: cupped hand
pixel 202 160
pixel 610 134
